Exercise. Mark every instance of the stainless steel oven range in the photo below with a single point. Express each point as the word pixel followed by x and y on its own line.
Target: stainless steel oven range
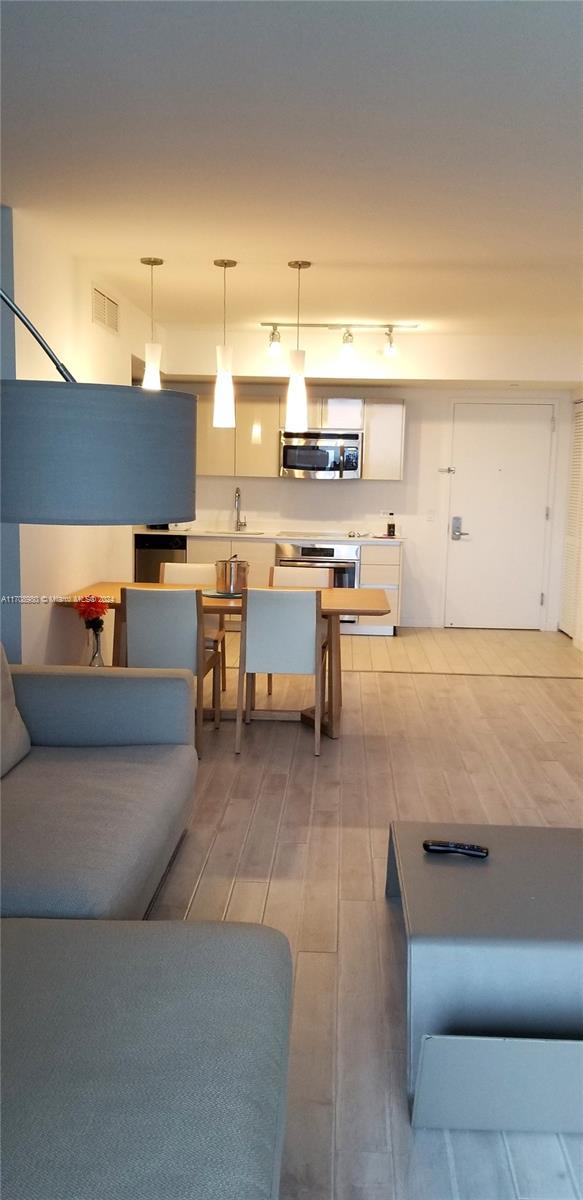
pixel 343 560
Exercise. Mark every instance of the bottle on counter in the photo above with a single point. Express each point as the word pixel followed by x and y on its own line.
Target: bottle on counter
pixel 391 526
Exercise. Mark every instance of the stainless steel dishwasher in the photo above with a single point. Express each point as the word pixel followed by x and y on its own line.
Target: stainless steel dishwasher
pixel 151 550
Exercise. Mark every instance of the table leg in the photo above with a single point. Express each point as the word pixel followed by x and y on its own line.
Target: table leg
pixel 334 678
pixel 119 655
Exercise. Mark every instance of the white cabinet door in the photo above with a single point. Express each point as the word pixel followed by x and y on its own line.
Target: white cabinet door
pixel 207 550
pixel 314 411
pixel 384 434
pixel 215 448
pixel 342 412
pixel 257 437
pixel 259 555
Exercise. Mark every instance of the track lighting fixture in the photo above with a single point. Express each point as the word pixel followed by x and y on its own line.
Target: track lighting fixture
pixel 347 348
pixel 274 350
pixel 390 348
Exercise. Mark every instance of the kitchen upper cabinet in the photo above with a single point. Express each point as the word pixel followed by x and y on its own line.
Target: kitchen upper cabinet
pixel 342 412
pixel 384 440
pixel 314 411
pixel 215 448
pixel 257 437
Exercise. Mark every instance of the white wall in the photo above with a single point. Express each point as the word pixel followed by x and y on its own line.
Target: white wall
pixel 420 357
pixel 55 292
pixel 420 501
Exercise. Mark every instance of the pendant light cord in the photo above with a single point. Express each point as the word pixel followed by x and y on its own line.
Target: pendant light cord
pixel 224 306
pixel 298 322
pixel 151 303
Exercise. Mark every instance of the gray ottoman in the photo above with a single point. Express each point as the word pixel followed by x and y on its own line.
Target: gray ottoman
pixel 143 1061
pixel 494 946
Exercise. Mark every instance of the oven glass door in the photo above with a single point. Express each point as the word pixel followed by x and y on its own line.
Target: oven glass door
pixel 344 573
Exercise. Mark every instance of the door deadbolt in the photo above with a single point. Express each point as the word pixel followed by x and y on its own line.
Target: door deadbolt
pixel 456 529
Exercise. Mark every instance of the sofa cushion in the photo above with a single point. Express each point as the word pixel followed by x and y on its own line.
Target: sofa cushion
pixel 15 740
pixel 88 832
pixel 143 1060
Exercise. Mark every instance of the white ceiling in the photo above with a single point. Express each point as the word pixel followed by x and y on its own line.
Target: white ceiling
pixel 425 155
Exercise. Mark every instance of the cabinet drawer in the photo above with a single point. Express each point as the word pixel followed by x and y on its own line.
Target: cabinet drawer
pixel 379 576
pixel 391 555
pixel 392 618
pixel 203 550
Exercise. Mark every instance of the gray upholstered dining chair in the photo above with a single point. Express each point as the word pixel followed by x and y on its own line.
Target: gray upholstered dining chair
pixel 281 634
pixel 166 629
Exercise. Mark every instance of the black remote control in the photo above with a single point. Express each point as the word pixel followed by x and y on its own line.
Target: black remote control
pixel 472 851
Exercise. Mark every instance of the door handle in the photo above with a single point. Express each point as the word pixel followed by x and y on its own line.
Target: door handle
pixel 456 529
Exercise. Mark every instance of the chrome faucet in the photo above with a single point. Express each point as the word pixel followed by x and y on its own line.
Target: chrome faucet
pixel 239 523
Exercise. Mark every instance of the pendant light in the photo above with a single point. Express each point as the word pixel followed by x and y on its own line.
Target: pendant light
pixel 224 403
pixel 296 409
pixel 153 353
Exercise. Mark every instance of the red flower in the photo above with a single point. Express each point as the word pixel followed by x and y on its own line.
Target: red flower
pixel 91 608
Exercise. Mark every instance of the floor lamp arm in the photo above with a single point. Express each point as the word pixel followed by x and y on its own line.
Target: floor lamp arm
pixel 61 368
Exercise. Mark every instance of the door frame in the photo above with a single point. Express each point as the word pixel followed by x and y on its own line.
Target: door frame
pixel 554 498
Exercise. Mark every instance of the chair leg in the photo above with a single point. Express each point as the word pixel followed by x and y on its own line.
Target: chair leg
pixel 249 698
pixel 239 722
pixel 217 692
pixel 270 685
pixel 224 665
pixel 318 706
pixel 199 713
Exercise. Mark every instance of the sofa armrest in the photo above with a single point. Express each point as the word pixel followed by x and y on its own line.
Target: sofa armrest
pixel 105 706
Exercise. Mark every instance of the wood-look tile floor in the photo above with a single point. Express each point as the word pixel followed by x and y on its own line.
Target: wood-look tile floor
pixel 521 652
pixel 300 844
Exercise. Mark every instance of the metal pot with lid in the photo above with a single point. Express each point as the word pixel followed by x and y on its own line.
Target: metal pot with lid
pixel 232 574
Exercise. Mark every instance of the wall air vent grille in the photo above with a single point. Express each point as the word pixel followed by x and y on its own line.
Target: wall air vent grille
pixel 105 311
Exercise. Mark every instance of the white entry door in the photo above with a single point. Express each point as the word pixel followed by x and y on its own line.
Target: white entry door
pixel 498 499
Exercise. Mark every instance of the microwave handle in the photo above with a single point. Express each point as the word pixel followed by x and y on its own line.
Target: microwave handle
pixel 342 460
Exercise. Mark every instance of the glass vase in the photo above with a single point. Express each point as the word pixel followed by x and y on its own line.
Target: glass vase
pixel 96 659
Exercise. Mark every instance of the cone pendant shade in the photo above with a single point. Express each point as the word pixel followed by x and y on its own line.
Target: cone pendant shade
pixel 224 402
pixel 151 380
pixel 296 409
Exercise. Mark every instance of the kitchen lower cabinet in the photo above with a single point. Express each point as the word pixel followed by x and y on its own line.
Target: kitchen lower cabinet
pixel 205 550
pixel 259 555
pixel 381 566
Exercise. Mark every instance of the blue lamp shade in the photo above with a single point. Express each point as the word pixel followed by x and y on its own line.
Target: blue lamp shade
pixel 91 454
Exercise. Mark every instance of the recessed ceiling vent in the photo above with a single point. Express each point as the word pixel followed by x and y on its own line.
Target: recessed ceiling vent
pixel 105 311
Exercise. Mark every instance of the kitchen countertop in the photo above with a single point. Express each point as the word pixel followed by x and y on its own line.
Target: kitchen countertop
pixel 280 535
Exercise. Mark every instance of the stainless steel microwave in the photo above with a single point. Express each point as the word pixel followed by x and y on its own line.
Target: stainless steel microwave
pixel 321 454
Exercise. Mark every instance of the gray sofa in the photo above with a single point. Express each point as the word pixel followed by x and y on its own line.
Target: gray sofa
pixel 93 813
pixel 143 1060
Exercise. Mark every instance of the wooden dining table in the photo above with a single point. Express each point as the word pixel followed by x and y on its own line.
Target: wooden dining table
pixel 357 602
